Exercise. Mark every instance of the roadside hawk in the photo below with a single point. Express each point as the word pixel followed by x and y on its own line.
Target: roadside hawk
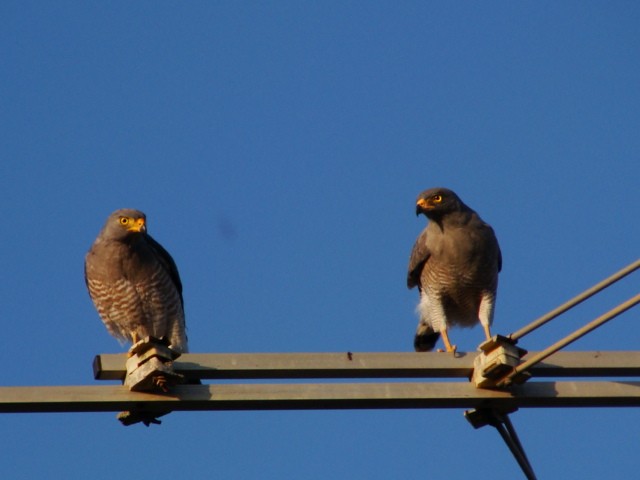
pixel 134 282
pixel 454 263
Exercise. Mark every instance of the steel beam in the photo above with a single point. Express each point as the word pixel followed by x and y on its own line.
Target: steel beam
pixel 319 397
pixel 371 365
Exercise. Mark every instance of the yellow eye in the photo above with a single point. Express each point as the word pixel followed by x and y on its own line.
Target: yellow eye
pixel 437 198
pixel 124 221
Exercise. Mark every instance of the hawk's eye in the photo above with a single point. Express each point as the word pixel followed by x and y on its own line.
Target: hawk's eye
pixel 124 220
pixel 437 198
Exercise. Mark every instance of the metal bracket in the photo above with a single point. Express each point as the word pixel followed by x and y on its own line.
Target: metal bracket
pixel 499 356
pixel 150 366
pixel 149 369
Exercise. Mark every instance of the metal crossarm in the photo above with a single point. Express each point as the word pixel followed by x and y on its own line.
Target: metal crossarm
pixel 263 366
pixel 370 392
pixel 323 396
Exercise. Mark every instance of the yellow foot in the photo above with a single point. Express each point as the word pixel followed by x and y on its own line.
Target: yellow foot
pixel 487 332
pixel 135 338
pixel 448 350
pixel 447 344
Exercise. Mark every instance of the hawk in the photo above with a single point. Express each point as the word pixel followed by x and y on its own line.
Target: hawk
pixel 134 282
pixel 454 263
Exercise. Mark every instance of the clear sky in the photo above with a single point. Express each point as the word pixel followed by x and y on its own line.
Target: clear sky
pixel 277 149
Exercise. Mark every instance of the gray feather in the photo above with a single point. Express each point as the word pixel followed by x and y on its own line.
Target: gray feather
pixel 134 284
pixel 455 263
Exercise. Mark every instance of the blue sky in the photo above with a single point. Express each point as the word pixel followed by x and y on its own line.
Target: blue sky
pixel 277 149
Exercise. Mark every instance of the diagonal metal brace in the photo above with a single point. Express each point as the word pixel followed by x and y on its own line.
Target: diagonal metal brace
pixel 499 419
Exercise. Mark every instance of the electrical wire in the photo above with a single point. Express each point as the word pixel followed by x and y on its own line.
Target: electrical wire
pixel 575 301
pixel 601 320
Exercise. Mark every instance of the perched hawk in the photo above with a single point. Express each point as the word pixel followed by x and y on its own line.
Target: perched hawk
pixel 455 264
pixel 134 282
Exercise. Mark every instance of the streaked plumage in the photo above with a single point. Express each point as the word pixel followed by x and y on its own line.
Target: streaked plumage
pixel 134 282
pixel 454 263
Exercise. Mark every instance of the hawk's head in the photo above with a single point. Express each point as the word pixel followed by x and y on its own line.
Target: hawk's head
pixel 437 202
pixel 124 222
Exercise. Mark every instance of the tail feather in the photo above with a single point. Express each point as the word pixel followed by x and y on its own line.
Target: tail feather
pixel 425 339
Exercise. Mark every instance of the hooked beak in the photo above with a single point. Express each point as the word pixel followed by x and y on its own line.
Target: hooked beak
pixel 422 206
pixel 139 226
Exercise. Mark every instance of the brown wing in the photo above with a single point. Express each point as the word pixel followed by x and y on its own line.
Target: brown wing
pixel 497 248
pixel 169 264
pixel 419 256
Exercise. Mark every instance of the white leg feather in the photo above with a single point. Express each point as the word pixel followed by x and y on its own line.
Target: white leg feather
pixel 485 312
pixel 431 312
